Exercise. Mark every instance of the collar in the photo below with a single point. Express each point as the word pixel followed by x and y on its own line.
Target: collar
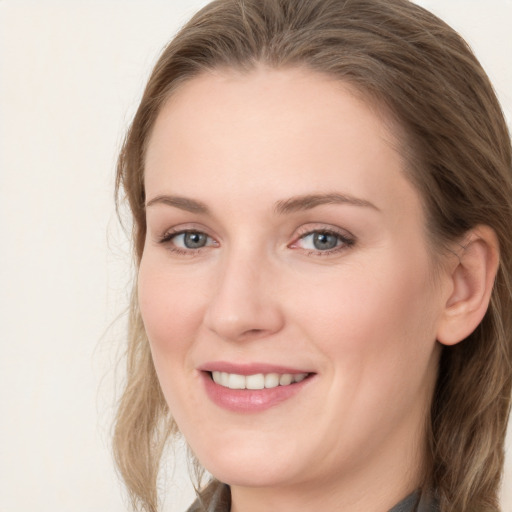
pixel 218 497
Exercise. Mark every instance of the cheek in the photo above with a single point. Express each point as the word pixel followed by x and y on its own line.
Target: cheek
pixel 379 314
pixel 378 332
pixel 171 309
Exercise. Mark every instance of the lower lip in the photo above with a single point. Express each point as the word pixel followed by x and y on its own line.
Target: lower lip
pixel 250 400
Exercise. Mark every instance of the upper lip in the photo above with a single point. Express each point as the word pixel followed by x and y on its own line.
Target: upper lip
pixel 249 368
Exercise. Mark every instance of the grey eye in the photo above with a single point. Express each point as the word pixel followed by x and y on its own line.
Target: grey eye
pixel 323 241
pixel 187 241
pixel 193 239
pixel 320 241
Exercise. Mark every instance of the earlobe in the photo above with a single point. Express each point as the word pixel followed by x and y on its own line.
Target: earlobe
pixel 472 280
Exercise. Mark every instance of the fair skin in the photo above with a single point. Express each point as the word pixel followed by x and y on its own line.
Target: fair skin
pixel 240 273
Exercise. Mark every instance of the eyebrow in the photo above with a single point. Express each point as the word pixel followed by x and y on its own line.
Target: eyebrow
pixel 293 204
pixel 307 202
pixel 183 203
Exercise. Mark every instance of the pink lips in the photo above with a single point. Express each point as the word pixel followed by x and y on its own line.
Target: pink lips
pixel 249 400
pixel 248 369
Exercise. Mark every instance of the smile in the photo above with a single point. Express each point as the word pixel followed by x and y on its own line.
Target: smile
pixel 252 388
pixel 256 381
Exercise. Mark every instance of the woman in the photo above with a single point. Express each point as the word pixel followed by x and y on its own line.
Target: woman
pixel 321 193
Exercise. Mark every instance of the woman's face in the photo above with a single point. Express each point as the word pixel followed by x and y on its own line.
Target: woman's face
pixel 286 254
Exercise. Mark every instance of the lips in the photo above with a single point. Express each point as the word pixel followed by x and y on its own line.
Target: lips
pixel 252 387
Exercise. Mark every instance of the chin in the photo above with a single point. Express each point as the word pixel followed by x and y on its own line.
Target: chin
pixel 250 466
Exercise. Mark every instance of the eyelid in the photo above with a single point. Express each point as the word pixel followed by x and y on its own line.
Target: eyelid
pixel 185 227
pixel 172 235
pixel 347 238
pixel 166 239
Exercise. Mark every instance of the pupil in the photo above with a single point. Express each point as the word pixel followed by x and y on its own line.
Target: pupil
pixel 195 240
pixel 323 241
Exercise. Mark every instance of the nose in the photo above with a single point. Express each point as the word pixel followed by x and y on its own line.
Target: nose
pixel 244 304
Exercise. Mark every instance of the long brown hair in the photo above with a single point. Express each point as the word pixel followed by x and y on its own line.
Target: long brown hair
pixel 458 149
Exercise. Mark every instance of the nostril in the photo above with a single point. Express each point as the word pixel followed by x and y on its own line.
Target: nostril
pixel 254 331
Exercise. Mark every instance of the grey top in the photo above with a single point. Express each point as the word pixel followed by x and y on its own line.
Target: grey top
pixel 221 502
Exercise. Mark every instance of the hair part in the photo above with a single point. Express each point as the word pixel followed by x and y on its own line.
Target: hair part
pixel 457 146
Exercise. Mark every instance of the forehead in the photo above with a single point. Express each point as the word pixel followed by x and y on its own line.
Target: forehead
pixel 282 93
pixel 272 132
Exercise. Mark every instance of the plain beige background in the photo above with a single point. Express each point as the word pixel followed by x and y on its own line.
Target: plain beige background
pixel 71 73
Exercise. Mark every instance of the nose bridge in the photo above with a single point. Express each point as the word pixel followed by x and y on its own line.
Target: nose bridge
pixel 242 304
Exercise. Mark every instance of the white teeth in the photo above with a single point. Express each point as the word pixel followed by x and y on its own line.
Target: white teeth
pixel 256 381
pixel 271 380
pixel 224 379
pixel 236 381
pixel 285 379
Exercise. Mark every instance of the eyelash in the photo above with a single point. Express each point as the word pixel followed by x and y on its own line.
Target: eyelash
pixel 168 237
pixel 345 242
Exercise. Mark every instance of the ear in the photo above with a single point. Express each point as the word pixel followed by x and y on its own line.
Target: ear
pixel 471 283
